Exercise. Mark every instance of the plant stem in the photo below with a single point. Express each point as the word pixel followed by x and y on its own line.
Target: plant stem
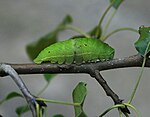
pixel 43 89
pixel 102 18
pixel 111 108
pixel 140 76
pixel 132 107
pixel 120 113
pixel 109 91
pixel 37 110
pixel 118 30
pixel 137 84
pixel 58 102
pixel 76 29
pixel 108 23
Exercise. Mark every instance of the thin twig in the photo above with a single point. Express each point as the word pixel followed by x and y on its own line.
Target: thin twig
pixel 71 27
pixel 109 91
pixel 30 99
pixel 118 30
pixel 107 25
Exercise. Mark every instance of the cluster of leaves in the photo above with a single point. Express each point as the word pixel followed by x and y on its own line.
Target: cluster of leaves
pixel 79 93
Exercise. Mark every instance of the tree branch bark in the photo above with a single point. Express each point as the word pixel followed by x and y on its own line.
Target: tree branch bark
pixel 17 79
pixel 109 91
pixel 131 61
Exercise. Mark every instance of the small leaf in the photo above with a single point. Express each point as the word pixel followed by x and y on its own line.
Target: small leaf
pixel 10 96
pixel 49 77
pixel 79 94
pixel 67 20
pixel 33 49
pixel 58 115
pixel 22 109
pixel 13 95
pixel 143 41
pixel 95 32
pixel 116 3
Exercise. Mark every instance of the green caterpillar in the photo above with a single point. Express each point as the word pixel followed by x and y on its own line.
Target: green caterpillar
pixel 77 50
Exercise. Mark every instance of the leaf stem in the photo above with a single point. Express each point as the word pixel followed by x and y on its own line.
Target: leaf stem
pixel 102 18
pixel 140 76
pixel 137 84
pixel 109 109
pixel 131 106
pixel 118 30
pixel 108 23
pixel 58 102
pixel 76 29
pixel 43 89
pixel 37 110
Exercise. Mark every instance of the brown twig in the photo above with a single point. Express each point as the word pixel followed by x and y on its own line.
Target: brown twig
pixel 109 91
pixel 131 61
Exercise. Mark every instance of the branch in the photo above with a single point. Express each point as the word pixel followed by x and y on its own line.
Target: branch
pixel 29 98
pixel 109 91
pixel 131 61
pixel 92 69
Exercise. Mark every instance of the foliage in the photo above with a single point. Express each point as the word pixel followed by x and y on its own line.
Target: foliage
pixel 22 109
pixel 80 91
pixel 34 48
pixel 79 95
pixel 143 42
pixel 116 3
pixel 10 96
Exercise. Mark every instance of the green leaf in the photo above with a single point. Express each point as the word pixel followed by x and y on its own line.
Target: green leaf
pixel 95 32
pixel 10 96
pixel 33 49
pixel 67 20
pixel 79 94
pixel 22 109
pixel 58 115
pixel 13 95
pixel 143 42
pixel 49 77
pixel 116 3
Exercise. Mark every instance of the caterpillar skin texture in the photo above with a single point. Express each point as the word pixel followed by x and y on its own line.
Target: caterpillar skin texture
pixel 77 50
